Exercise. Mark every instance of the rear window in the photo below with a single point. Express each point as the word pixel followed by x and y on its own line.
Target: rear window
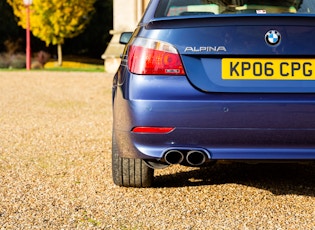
pixel 169 8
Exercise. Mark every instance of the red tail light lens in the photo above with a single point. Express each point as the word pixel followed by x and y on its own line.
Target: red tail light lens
pixel 148 56
pixel 152 130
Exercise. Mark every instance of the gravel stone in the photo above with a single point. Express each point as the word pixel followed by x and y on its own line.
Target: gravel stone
pixel 55 170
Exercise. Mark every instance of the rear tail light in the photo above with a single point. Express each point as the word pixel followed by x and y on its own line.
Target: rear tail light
pixel 148 56
pixel 152 130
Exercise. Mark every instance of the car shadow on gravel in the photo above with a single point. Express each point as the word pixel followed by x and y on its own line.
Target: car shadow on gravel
pixel 278 178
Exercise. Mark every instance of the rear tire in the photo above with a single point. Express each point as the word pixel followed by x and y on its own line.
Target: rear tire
pixel 130 172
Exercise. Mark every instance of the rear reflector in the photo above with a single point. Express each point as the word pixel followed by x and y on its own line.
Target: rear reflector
pixel 153 57
pixel 152 130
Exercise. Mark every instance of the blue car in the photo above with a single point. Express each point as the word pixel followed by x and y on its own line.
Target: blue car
pixel 207 80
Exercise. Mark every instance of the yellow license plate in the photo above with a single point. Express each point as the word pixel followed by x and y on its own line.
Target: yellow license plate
pixel 268 69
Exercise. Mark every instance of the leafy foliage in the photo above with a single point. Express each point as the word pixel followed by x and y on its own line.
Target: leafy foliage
pixel 90 43
pixel 53 20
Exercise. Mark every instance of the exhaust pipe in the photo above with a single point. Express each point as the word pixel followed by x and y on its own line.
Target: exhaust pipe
pixel 196 157
pixel 174 157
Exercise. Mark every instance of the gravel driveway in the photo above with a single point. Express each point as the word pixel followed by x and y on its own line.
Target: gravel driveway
pixel 55 170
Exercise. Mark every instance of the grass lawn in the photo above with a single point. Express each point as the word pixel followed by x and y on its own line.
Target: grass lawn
pixel 74 63
pixel 74 66
pixel 70 63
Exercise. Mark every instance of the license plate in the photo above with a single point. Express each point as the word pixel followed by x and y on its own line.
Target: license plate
pixel 268 69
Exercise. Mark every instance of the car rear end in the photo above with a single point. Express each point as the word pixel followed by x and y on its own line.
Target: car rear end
pixel 202 81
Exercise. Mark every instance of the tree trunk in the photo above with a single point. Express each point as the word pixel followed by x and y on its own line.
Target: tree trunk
pixel 59 47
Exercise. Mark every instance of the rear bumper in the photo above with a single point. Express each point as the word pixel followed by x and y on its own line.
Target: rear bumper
pixel 221 144
pixel 227 126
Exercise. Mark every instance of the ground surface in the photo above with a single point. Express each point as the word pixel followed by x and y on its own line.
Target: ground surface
pixel 55 170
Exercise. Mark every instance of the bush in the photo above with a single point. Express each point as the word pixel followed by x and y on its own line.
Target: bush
pixel 14 61
pixel 41 58
pixel 13 58
pixel 17 61
pixel 4 61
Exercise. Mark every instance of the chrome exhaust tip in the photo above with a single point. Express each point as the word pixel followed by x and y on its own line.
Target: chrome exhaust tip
pixel 174 157
pixel 196 157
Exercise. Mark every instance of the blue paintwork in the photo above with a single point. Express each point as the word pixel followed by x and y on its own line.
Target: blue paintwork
pixel 242 37
pixel 229 119
pixel 229 126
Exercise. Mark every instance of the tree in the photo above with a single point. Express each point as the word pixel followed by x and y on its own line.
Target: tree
pixel 53 21
pixel 97 31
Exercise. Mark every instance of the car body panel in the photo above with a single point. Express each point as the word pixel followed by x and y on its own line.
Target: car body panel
pixel 224 37
pixel 248 119
pixel 229 126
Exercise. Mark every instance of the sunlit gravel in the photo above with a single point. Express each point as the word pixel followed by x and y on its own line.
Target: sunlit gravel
pixel 55 170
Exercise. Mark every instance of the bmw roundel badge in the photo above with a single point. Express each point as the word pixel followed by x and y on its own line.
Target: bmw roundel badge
pixel 273 37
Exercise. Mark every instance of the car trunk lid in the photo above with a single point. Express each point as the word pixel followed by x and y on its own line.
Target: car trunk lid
pixel 265 53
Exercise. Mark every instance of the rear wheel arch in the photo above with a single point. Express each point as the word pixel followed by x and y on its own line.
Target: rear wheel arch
pixel 129 172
